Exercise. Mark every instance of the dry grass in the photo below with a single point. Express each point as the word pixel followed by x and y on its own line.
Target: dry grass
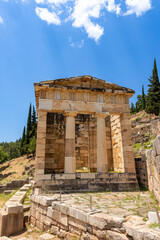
pixel 16 167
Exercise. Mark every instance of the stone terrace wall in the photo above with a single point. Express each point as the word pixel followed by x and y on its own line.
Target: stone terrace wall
pixel 153 168
pixel 14 184
pixel 141 171
pixel 48 214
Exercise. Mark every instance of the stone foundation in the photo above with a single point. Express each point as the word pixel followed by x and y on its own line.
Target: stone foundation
pixel 89 182
pixel 47 214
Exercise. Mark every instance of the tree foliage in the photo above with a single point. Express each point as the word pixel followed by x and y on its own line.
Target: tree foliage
pixel 153 97
pixel 150 102
pixel 25 145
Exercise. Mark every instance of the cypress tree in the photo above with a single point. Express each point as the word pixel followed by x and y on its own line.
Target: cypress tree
pixel 23 135
pixel 153 98
pixel 34 122
pixel 23 141
pixel 29 125
pixel 132 108
pixel 143 99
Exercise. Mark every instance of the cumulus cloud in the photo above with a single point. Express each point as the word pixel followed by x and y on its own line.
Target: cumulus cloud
pixel 49 17
pixel 84 13
pixel 137 6
pixel 1 20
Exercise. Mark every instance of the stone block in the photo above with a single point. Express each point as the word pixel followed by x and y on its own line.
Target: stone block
pixel 70 176
pixel 46 236
pixel 13 208
pixel 54 230
pixel 61 207
pixel 78 214
pixel 103 221
pixel 110 235
pixel 10 223
pixel 87 175
pixel 59 176
pixel 153 217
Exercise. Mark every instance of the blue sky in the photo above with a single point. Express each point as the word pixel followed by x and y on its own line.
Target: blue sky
pixel 113 40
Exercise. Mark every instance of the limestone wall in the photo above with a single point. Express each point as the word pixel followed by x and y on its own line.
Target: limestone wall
pixel 55 143
pixel 48 214
pixel 117 143
pixel 153 168
pixel 85 142
pixel 141 171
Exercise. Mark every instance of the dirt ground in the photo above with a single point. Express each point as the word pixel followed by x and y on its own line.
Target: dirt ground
pixel 16 168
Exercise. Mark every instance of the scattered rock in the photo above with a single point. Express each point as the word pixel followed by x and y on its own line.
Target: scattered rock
pixel 46 236
pixel 8 192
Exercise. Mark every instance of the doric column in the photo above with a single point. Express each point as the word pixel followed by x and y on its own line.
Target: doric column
pixel 41 143
pixel 70 160
pixel 102 163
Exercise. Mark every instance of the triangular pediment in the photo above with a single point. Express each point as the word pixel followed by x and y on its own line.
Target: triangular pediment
pixel 83 82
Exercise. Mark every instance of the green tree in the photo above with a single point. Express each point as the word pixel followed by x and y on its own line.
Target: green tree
pixel 34 122
pixel 32 146
pixel 3 156
pixel 143 99
pixel 132 108
pixel 23 141
pixel 153 98
pixel 139 103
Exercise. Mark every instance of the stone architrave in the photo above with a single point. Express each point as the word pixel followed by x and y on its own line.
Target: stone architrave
pixel 70 160
pixel 102 164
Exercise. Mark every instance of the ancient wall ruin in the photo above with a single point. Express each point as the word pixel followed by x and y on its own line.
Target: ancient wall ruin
pixel 85 132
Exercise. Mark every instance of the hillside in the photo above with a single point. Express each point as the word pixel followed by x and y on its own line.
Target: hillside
pixel 18 168
pixel 144 127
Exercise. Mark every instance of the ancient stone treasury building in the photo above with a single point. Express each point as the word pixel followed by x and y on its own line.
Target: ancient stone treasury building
pixel 84 125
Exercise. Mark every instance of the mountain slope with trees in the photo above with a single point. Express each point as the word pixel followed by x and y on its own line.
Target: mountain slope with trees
pixel 24 145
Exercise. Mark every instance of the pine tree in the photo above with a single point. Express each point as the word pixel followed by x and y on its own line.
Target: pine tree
pixel 143 99
pixel 132 108
pixel 34 122
pixel 23 141
pixel 153 98
pixel 29 125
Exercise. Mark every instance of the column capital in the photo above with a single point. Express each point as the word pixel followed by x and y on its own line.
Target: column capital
pixel 70 114
pixel 101 114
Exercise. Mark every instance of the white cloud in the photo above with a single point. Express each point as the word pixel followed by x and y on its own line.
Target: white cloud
pixel 1 20
pixel 85 14
pixel 137 6
pixel 76 44
pixel 49 17
pixel 83 11
pixel 113 7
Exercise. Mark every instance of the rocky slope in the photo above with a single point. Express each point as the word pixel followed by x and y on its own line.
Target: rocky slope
pixel 144 127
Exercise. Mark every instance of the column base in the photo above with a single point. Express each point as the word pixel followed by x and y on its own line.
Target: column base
pixel 70 165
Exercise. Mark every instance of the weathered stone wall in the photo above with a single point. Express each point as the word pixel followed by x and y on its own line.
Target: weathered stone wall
pixel 14 184
pixel 153 168
pixel 55 143
pixel 141 171
pixel 117 143
pixel 48 214
pixel 85 142
pixel 11 215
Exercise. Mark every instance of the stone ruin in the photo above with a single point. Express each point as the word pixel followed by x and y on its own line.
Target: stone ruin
pixel 84 123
